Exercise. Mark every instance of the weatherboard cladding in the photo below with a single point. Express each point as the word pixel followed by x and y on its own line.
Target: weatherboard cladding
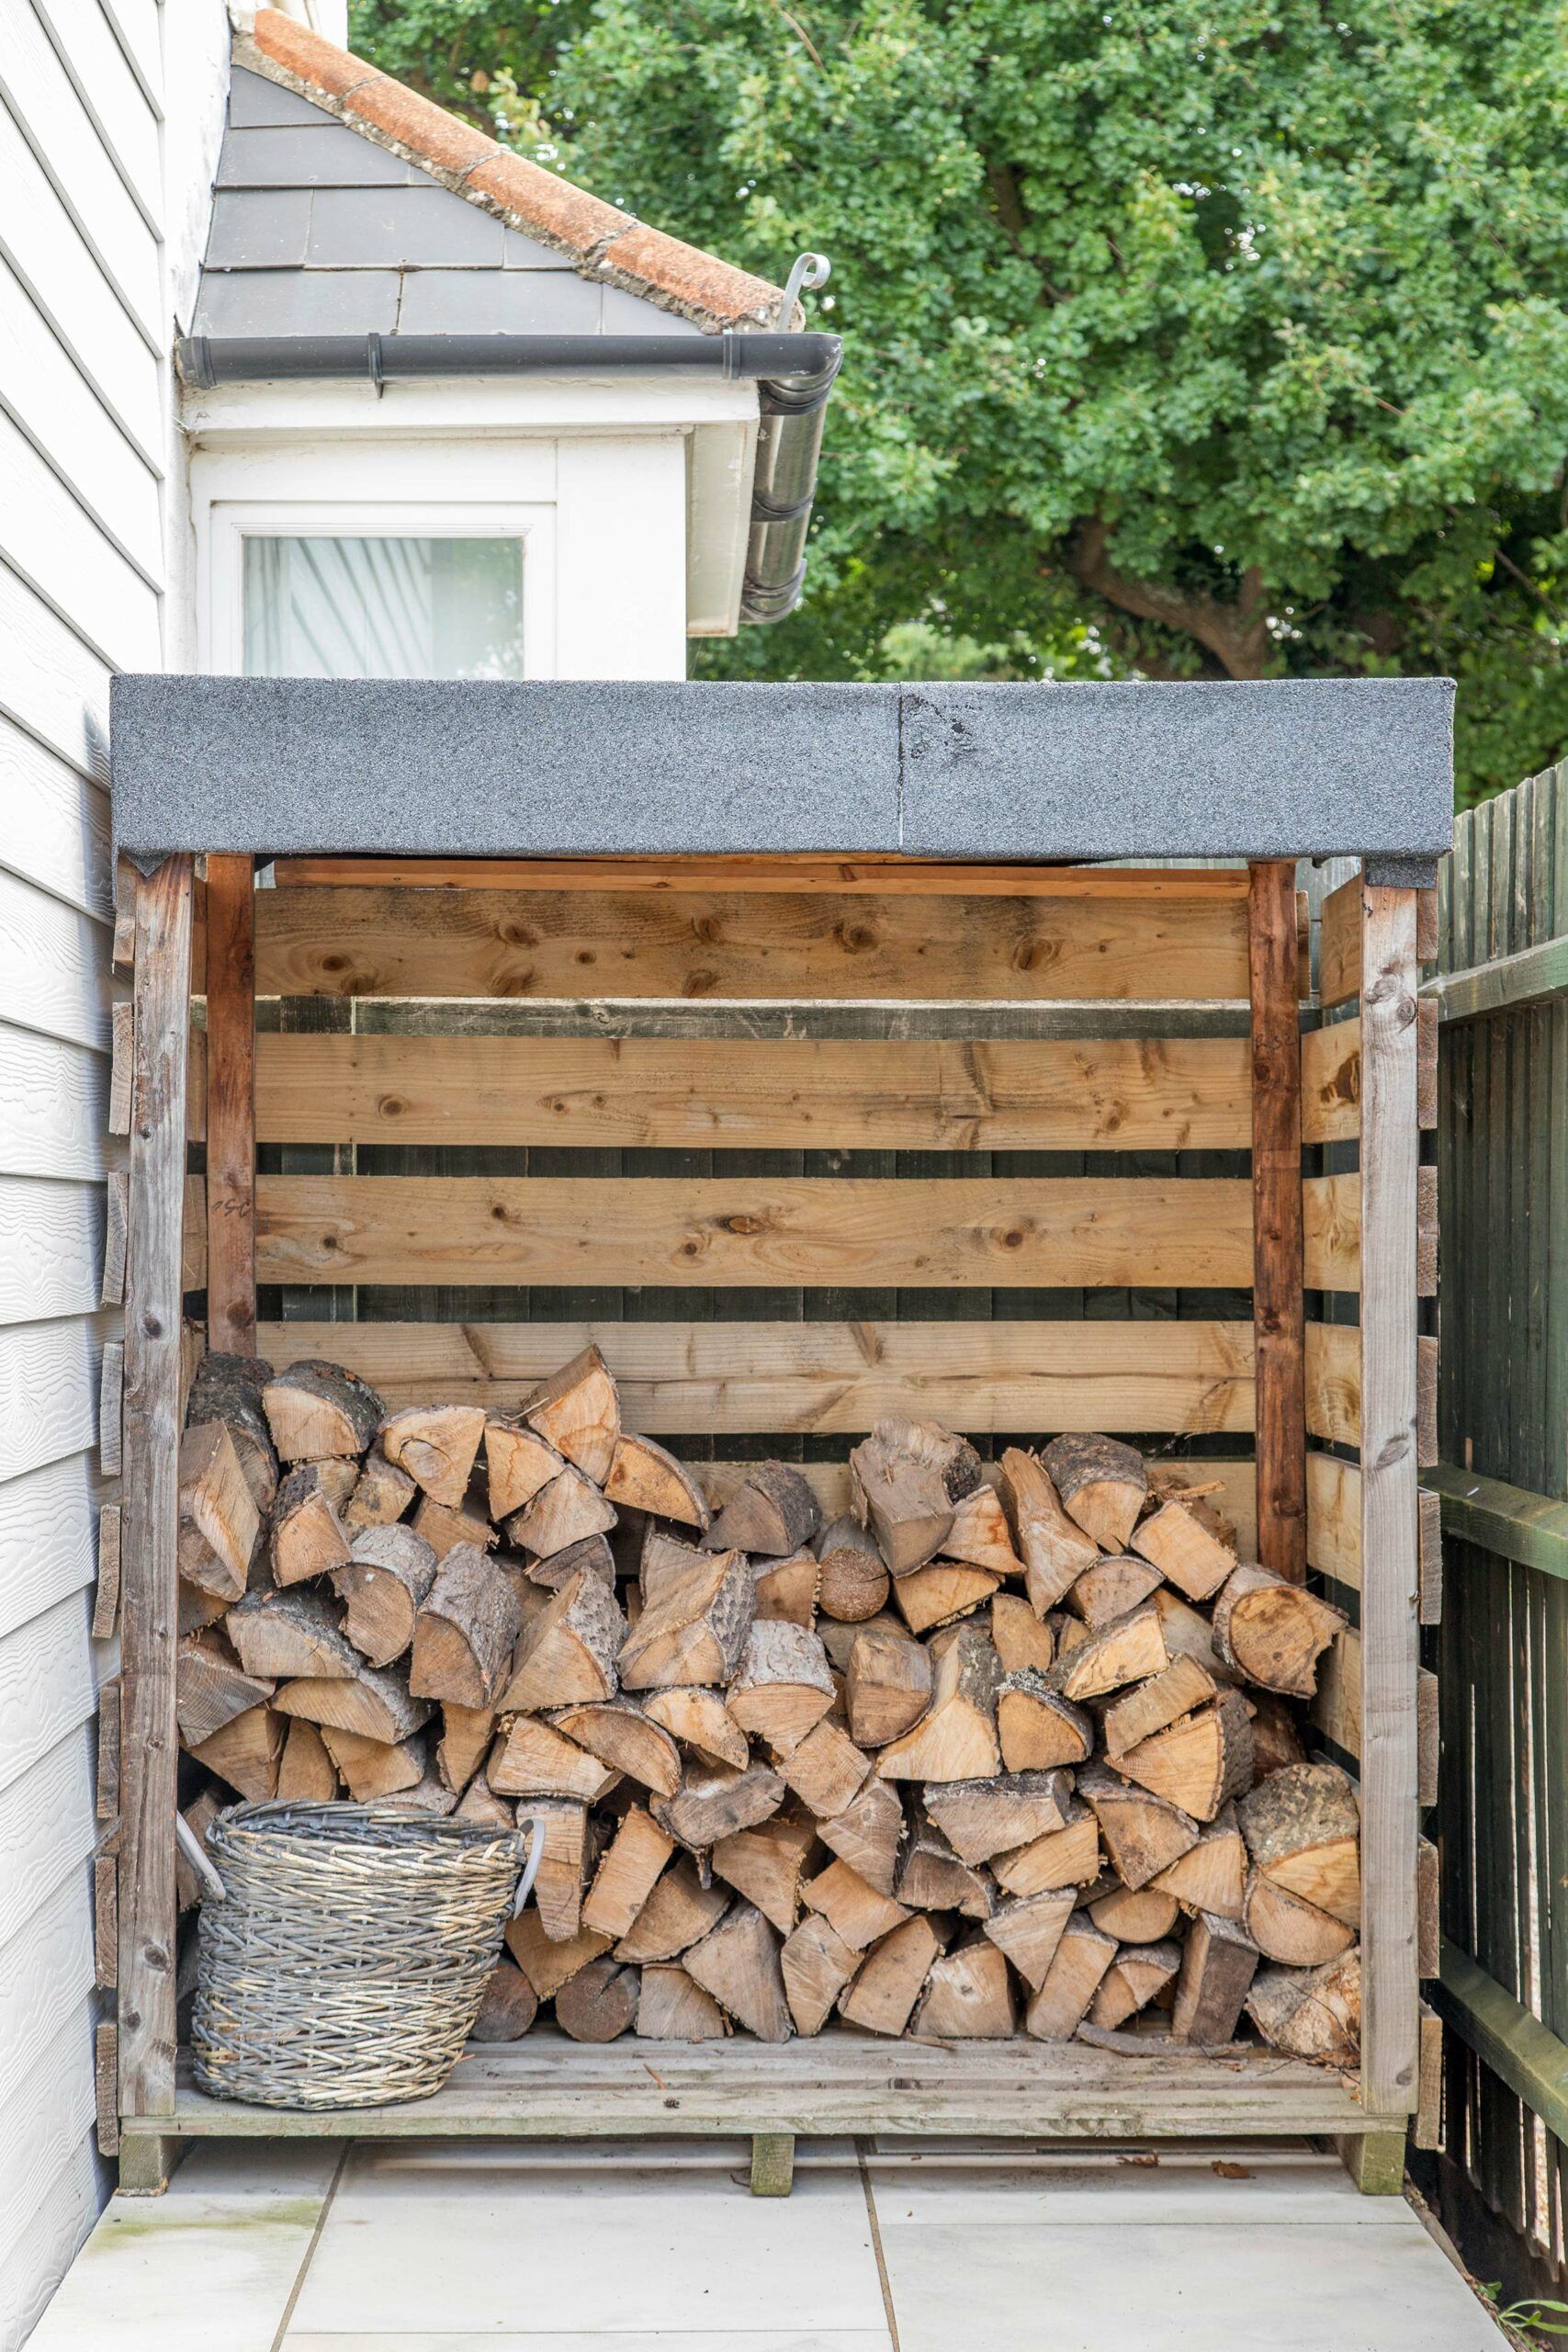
pixel 1284 768
pixel 316 229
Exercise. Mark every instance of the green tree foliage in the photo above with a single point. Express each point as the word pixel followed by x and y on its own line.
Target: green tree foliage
pixel 1184 337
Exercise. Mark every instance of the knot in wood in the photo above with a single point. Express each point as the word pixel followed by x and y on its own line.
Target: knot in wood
pixel 855 938
pixel 391 1107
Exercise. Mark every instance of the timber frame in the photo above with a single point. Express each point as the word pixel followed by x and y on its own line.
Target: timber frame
pixel 972 985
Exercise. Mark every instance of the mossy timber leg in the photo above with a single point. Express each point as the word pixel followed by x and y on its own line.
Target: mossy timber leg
pixel 1375 2161
pixel 147 2160
pixel 773 2164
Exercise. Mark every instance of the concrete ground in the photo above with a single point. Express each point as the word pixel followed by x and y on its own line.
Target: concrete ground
pixel 432 2247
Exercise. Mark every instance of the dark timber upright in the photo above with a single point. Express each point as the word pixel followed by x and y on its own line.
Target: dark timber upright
pixel 836 1017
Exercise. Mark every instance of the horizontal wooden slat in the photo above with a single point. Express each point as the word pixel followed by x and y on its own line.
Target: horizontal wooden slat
pixel 1339 940
pixel 924 1094
pixel 1336 1710
pixel 1533 975
pixel 799 1377
pixel 1507 1520
pixel 1331 1220
pixel 1334 1388
pixel 1331 1077
pixel 743 945
pixel 935 1232
pixel 1334 1530
pixel 887 876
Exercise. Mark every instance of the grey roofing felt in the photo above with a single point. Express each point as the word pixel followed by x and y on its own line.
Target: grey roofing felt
pixel 1290 768
pixel 305 210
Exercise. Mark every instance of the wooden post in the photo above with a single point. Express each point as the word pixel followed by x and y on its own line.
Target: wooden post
pixel 773 2164
pixel 150 1506
pixel 1278 1309
pixel 1390 1528
pixel 231 1105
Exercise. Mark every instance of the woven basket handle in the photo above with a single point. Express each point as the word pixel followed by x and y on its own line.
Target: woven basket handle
pixel 535 1855
pixel 196 1856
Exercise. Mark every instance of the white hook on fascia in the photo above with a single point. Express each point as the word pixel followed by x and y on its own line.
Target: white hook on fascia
pixel 810 272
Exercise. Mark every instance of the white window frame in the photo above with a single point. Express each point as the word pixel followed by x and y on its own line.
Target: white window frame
pixel 224 525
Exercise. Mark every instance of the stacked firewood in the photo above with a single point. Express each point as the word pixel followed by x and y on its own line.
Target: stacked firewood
pixel 1003 1746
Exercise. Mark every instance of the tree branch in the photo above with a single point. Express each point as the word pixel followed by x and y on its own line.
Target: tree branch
pixel 1234 634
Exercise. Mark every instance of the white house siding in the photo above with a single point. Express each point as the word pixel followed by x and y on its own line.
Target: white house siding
pixel 91 520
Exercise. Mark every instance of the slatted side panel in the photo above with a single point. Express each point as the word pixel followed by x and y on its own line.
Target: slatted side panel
pixel 1503 1412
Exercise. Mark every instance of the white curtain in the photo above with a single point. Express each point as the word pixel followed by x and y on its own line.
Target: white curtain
pixel 383 608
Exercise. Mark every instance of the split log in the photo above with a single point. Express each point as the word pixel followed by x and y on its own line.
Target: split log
pixel 765 1864
pixel 1137 1974
pixel 1129 1649
pixel 550 1962
pixel 737 1962
pixel 381 1495
pixel 567 1656
pixel 696 1631
pixel 867 1833
pixel 1111 1588
pixel 376 1703
pixel 622 1736
pixel 437 1445
pixel 286 1634
pixel 1153 1706
pixel 980 1535
pixel 387 1574
pixel 1288 1929
pixel 1219 1960
pixel 444 1529
pixel 600 2003
pixel 932 1877
pixel 1312 2013
pixel 854 1909
pixel 1276 1735
pixel 1020 1638
pixel 1272 1633
pixel 677 1913
pixel 782 1688
pixel 314 1410
pixel 817 1964
pixel 984 1817
pixel 247 1753
pixel 771 1513
pixel 508 2005
pixel 558 1889
pixel 825 1770
pixel 566 1511
pixel 465 1632
pixel 715 1801
pixel 968 1997
pixel 308 1538
pixel 1302 1831
pixel 211 1688
pixel 337 1480
pixel 429 1796
pixel 697 1718
pixel 839 1640
pixel 1038 1729
pixel 306 1771
pixel 1187 1554
pixel 663 1561
pixel 627 1875
pixel 218 1521
pixel 890 1981
pixel 1209 1876
pixel 479 1802
pixel 578 1411
pixel 466 1735
pixel 1144 1833
pixel 670 2007
pixel 1134 1915
pixel 956 1738
pixel 1068 1987
pixel 593 1555
pixel 531 1760
pixel 227 1388
pixel 1200 1764
pixel 1029 1931
pixel 1101 1483
pixel 1055 1551
pixel 908 1477
pixel 941 1594
pixel 643 1477
pixel 1189 1634
pixel 854 1580
pixel 519 1464
pixel 198 1609
pixel 372 1768
pixel 786 1591
pixel 1064 1856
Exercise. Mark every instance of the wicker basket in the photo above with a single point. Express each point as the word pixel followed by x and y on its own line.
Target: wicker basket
pixel 344 1951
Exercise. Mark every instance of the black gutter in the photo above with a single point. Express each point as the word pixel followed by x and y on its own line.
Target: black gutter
pixel 793 372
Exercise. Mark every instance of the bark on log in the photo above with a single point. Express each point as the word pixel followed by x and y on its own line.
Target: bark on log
pixel 715 1802
pixel 1312 2013
pixel 957 1739
pixel 387 1574
pixel 908 1477
pixel 381 1494
pixel 1302 1831
pixel 314 1410
pixel 308 1538
pixel 1038 1729
pixel 567 1656
pixel 853 1582
pixel 285 1634
pixel 984 1817
pixel 771 1513
pixel 600 2003
pixel 1053 1550
pixel 782 1688
pixel 465 1632
pixel 508 2005
pixel 1102 1485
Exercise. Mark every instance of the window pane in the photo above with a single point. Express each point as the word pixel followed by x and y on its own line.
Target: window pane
pixel 383 608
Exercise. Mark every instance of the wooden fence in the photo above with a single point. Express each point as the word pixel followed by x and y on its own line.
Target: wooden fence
pixel 1503 1647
